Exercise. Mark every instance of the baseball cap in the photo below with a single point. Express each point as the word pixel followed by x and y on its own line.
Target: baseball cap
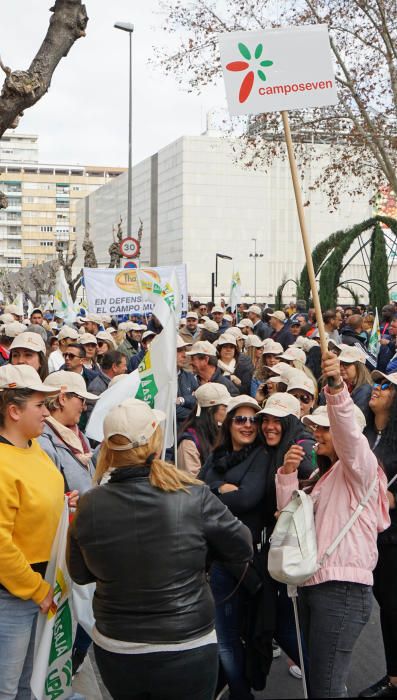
pixel 245 323
pixel 29 341
pixel 134 420
pixel 281 368
pixel 107 337
pixel 106 318
pixel 24 377
pixel 94 318
pixel 320 417
pixel 236 332
pixel 211 326
pixel 69 382
pixel 292 354
pixel 281 405
pixel 253 341
pixel 13 309
pixel 255 309
pixel 202 347
pixel 11 330
pixel 67 332
pixel 228 317
pixel 271 347
pixel 181 343
pixel 211 394
pixel 217 310
pixel 192 314
pixel 87 338
pixel 148 334
pixel 242 400
pixel 351 354
pixel 300 380
pixel 111 330
pixel 278 314
pixel 388 377
pixel 227 339
pixel 7 318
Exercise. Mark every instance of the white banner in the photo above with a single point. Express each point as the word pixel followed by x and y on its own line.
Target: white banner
pixel 126 388
pixel 52 667
pixel 118 291
pixel 279 69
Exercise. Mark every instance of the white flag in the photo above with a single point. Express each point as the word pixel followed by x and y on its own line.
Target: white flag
pixel 52 666
pixel 235 291
pixel 30 308
pixel 63 304
pixel 374 338
pixel 18 302
pixel 126 388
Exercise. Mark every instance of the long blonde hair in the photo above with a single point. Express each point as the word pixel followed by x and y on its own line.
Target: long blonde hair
pixel 162 475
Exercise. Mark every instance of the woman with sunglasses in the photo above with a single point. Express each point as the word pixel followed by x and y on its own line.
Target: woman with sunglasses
pixel 381 432
pixel 304 389
pixel 336 602
pixel 105 343
pixel 235 472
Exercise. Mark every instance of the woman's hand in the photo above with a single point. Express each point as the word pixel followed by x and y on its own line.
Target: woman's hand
pixel 227 488
pixel 47 602
pixel 73 497
pixel 331 368
pixel 235 380
pixel 392 499
pixel 293 459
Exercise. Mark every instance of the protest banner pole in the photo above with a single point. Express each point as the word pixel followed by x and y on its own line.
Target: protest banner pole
pixel 305 236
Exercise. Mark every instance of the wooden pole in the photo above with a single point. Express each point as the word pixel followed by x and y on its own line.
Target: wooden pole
pixel 305 237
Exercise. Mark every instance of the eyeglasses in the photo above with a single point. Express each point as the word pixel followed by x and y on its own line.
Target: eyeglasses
pixel 72 395
pixel 242 420
pixel 382 387
pixel 70 355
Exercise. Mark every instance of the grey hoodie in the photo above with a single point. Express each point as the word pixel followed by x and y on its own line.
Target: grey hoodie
pixel 76 475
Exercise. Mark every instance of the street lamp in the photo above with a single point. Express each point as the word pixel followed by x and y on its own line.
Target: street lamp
pixel 255 255
pixel 127 27
pixel 214 275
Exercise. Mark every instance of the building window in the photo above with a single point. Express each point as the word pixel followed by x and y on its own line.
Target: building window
pixel 62 204
pixel 46 244
pixel 46 229
pixel 14 261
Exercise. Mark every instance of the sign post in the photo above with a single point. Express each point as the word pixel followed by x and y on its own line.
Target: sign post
pixel 276 71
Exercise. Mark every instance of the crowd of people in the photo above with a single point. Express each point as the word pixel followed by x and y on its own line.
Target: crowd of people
pixel 184 603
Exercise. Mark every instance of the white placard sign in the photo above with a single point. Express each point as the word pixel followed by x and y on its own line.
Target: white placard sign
pixel 115 291
pixel 277 70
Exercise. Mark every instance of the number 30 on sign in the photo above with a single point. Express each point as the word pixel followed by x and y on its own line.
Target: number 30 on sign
pixel 129 247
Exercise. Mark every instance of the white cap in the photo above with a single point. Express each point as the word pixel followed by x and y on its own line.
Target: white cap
pixel 280 315
pixel 70 382
pixel 11 330
pixel 211 326
pixel 148 334
pixel 23 377
pixel 253 341
pixel 320 417
pixel 228 317
pixel 242 400
pixel 271 347
pixel 107 338
pixel 245 323
pixel 192 314
pixel 300 380
pixel 87 338
pixel 255 309
pixel 67 332
pixel 111 330
pixel 281 405
pixel 211 394
pixel 227 339
pixel 217 310
pixel 94 318
pixel 134 420
pixel 29 341
pixel 281 368
pixel 351 354
pixel 236 332
pixel 376 375
pixel 181 343
pixel 7 318
pixel 293 354
pixel 202 347
pixel 13 309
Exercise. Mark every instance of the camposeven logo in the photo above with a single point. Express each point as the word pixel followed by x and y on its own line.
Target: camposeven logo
pixel 248 80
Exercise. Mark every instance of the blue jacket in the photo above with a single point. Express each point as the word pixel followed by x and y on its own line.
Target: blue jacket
pixel 187 384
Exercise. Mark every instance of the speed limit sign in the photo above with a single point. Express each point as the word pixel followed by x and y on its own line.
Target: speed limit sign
pixel 129 247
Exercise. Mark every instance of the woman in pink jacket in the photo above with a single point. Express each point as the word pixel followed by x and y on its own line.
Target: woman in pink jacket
pixel 336 602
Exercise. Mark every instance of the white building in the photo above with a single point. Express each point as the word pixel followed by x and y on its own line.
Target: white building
pixel 195 201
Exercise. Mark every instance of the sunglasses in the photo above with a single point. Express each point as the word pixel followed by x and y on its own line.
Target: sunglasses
pixel 242 420
pixel 101 344
pixel 382 387
pixel 70 355
pixel 72 395
pixel 304 398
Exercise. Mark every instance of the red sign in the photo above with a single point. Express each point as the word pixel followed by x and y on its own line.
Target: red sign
pixel 129 247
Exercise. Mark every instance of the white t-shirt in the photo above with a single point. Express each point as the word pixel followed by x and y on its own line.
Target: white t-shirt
pixel 55 361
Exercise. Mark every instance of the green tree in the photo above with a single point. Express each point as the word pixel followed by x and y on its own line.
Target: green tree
pixel 378 273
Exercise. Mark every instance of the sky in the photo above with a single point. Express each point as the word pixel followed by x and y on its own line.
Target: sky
pixel 83 119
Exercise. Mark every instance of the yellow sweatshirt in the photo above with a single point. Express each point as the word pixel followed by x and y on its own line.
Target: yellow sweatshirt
pixel 31 502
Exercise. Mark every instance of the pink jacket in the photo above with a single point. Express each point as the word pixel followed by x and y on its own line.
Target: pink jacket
pixel 336 496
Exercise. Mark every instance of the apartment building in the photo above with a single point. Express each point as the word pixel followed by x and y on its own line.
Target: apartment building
pixel 40 219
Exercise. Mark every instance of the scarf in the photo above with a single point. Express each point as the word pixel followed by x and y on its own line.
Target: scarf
pixel 224 460
pixel 227 369
pixel 73 439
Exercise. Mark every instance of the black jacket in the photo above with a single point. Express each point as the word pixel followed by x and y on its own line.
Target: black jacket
pixel 187 384
pixel 349 337
pixel 262 330
pixel 218 378
pixel 250 477
pixel 284 336
pixel 244 371
pixel 388 460
pixel 147 549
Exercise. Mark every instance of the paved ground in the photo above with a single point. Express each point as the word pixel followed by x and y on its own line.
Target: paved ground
pixel 367 667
